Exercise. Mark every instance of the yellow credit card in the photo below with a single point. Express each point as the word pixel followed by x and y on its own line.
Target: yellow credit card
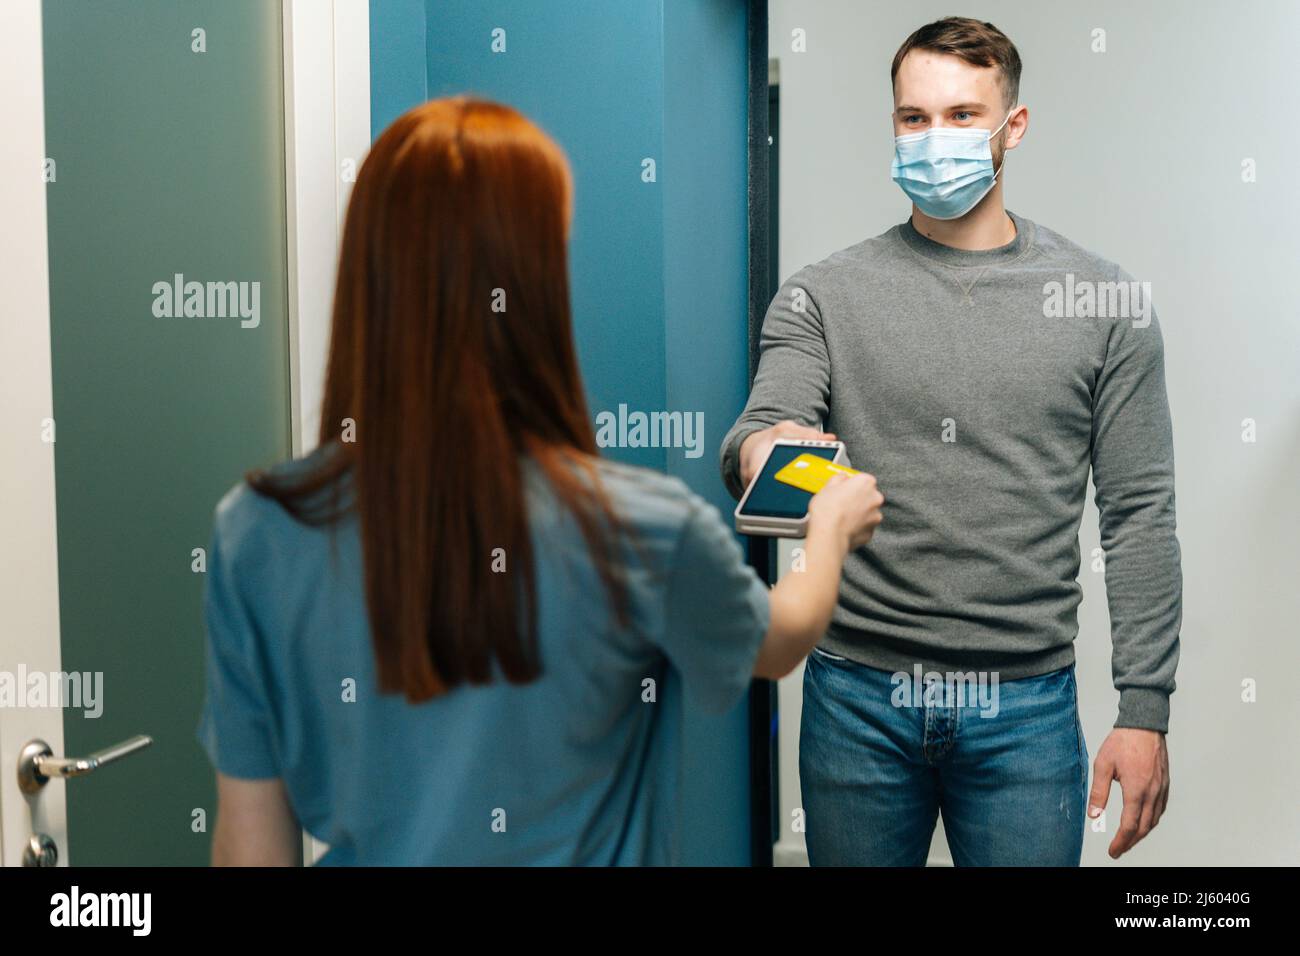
pixel 811 472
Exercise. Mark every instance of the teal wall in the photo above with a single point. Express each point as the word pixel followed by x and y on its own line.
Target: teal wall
pixel 706 340
pixel 658 270
pixel 398 74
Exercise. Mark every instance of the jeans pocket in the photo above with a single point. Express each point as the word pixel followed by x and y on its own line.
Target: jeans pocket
pixel 1081 741
pixel 829 656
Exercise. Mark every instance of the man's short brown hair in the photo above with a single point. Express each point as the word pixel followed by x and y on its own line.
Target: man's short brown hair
pixel 980 44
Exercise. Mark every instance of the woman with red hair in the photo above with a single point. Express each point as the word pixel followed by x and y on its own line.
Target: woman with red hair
pixel 452 633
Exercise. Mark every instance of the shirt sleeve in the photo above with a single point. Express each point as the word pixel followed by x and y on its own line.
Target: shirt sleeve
pixel 717 612
pixel 793 380
pixel 235 727
pixel 1133 471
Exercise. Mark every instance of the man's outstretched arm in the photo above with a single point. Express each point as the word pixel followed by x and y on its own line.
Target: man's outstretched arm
pixel 791 392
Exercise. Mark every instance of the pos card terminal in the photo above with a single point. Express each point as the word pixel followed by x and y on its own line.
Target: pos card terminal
pixel 776 509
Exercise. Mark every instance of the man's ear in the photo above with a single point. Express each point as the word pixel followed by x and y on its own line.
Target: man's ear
pixel 1017 126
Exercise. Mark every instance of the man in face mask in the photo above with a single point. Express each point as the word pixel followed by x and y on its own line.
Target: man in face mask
pixel 979 365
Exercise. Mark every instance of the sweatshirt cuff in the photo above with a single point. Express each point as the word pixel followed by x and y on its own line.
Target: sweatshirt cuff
pixel 731 459
pixel 1143 708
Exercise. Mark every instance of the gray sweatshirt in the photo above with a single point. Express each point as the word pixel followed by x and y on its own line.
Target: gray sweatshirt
pixel 979 387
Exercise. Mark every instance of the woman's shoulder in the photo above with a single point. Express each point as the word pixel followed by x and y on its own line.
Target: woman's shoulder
pixel 652 502
pixel 657 512
pixel 640 496
pixel 635 481
pixel 246 519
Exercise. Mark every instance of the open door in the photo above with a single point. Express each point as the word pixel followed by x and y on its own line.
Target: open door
pixel 185 163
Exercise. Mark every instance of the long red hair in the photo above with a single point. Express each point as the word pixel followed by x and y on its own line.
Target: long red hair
pixel 451 360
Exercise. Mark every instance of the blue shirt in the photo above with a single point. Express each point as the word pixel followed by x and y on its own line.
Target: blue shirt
pixel 581 766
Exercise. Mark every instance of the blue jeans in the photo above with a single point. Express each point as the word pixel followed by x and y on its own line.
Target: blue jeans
pixel 1011 786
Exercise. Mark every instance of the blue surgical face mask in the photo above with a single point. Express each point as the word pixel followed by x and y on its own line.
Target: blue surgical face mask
pixel 946 170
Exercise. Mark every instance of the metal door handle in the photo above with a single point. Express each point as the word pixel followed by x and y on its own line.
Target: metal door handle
pixel 37 763
pixel 41 850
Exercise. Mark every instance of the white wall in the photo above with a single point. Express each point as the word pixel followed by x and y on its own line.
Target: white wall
pixel 1136 154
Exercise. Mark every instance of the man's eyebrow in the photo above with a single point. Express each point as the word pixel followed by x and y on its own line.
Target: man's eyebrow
pixel 968 107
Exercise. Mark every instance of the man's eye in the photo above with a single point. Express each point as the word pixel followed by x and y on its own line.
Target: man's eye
pixel 962 116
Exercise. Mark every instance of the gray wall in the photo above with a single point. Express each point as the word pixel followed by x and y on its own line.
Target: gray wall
pixel 1135 153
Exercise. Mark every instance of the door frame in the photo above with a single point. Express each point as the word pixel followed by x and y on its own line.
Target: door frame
pixel 326 117
pixel 326 124
pixel 764 826
pixel 29 563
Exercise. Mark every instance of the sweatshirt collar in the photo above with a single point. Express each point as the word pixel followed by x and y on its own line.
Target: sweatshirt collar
pixel 948 255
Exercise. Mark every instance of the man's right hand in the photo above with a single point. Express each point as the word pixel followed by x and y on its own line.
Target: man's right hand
pixel 754 449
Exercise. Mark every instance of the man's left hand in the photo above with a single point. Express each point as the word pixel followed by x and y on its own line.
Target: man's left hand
pixel 1139 761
